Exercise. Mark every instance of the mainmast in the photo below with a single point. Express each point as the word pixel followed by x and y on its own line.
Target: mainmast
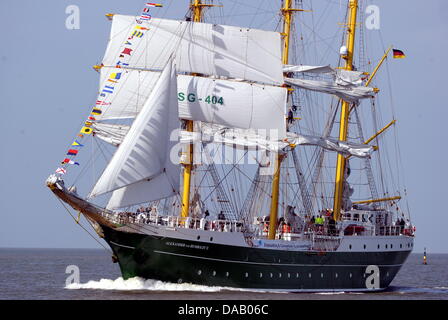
pixel 345 110
pixel 196 8
pixel 287 12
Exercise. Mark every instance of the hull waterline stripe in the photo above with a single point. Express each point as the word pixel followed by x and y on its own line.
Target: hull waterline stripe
pixel 316 291
pixel 122 245
pixel 276 264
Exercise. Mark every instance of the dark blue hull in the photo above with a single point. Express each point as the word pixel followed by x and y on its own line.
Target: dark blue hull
pixel 174 260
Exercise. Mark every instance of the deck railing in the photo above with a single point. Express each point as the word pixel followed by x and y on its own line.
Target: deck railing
pixel 259 230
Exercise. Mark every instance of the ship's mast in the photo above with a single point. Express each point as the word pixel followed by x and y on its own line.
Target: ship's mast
pixel 287 12
pixel 345 110
pixel 196 7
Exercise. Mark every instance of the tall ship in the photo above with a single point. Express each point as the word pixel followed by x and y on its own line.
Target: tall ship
pixel 218 155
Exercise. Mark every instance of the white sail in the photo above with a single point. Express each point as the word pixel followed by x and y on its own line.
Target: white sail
pixel 229 103
pixel 346 84
pixel 142 192
pixel 130 92
pixel 259 139
pixel 144 153
pixel 341 76
pixel 209 49
pixel 111 133
pixel 343 147
pixel 237 104
pixel 349 92
pixel 307 69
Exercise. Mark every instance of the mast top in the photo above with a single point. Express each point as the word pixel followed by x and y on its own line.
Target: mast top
pixel 197 6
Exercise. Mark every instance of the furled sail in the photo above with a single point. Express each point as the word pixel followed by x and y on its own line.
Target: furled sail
pixel 343 147
pixel 346 84
pixel 229 103
pixel 143 157
pixel 259 139
pixel 251 139
pixel 209 49
pixel 307 69
pixel 349 92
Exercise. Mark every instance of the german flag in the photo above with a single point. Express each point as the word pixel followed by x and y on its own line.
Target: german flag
pixel 398 54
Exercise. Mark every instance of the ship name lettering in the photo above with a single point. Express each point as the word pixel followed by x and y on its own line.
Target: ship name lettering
pixel 191 97
pixel 184 245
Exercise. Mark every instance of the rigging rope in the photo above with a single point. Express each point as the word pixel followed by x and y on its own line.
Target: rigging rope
pixel 78 222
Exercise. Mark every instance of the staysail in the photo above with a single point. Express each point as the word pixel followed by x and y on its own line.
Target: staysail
pixel 143 157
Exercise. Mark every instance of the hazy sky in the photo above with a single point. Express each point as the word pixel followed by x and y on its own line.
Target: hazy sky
pixel 47 87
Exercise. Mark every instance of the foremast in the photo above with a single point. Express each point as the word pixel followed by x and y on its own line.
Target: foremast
pixel 287 12
pixel 345 111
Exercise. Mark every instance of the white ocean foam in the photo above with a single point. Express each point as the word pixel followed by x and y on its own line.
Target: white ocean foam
pixel 330 293
pixel 150 285
pixel 140 284
pixel 441 288
pixel 410 290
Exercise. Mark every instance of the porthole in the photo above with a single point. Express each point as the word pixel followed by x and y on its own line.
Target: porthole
pixel 261 275
pixel 199 272
pixel 351 275
pixel 321 275
pixel 214 273
pixel 227 274
pixel 365 247
pixel 297 275
pixel 246 275
pixel 289 275
pixel 401 245
pixel 271 275
pixel 335 275
pixel 350 247
pixel 378 246
pixel 179 281
pixel 279 275
pixel 386 246
pixel 211 238
pixel 309 275
pixel 199 237
pixel 391 246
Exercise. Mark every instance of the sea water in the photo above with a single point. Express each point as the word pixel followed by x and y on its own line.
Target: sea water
pixel 75 274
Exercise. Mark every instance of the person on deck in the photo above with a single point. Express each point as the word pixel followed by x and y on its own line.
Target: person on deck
pixel 221 223
pixel 319 222
pixel 332 226
pixel 402 225
pixel 290 117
